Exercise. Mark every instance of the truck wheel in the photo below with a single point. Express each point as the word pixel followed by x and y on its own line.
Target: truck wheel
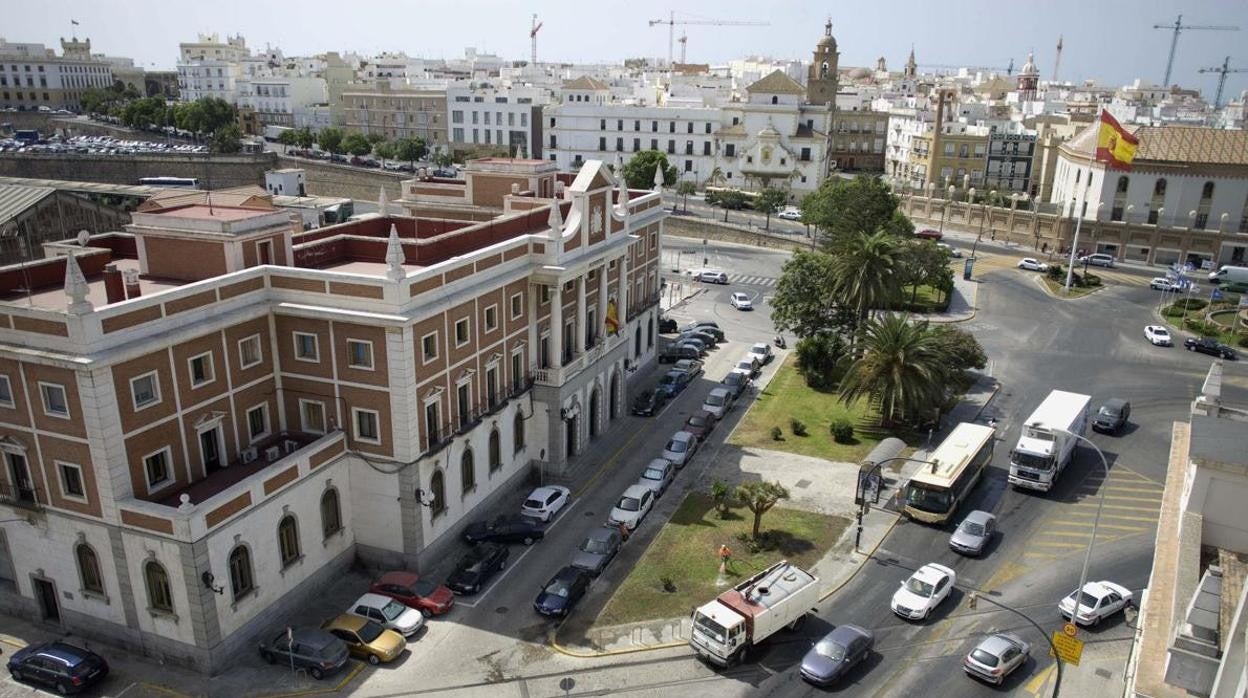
pixel 797 623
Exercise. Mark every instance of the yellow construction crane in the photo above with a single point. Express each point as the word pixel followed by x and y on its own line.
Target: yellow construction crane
pixel 671 23
pixel 1179 27
pixel 1223 71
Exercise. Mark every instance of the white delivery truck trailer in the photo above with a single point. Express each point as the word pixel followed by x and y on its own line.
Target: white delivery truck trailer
pixel 1229 274
pixel 725 629
pixel 273 133
pixel 1044 445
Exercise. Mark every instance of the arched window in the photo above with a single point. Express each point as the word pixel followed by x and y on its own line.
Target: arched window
pixel 437 491
pixel 1159 189
pixel 775 99
pixel 1207 192
pixel 159 594
pixel 331 514
pixel 288 539
pixel 1122 184
pixel 517 432
pixel 89 569
pixel 467 473
pixel 496 451
pixel 242 581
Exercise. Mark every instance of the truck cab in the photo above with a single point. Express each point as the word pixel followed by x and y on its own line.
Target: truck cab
pixel 1032 462
pixel 719 631
pixel 726 628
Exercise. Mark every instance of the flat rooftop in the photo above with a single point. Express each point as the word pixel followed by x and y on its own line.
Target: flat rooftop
pixel 209 213
pixel 54 298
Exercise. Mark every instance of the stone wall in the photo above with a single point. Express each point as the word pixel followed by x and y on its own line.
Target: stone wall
pixel 213 171
pixel 703 228
pixel 326 179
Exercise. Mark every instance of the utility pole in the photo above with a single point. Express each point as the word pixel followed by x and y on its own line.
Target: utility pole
pixel 1179 27
pixel 1226 68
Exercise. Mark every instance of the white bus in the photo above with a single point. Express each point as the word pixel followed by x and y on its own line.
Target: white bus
pixel 934 493
pixel 186 182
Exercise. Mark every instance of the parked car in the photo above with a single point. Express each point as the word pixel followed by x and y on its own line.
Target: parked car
pixel 366 639
pixel 748 365
pixel 709 340
pixel 691 366
pixel 1032 264
pixel 974 533
pixel 389 614
pixel 741 301
pixel 421 594
pixel 680 448
pixel 1158 336
pixel 504 529
pixel 697 345
pixel 836 653
pixel 544 502
pixel 700 424
pixel 649 402
pixel 597 550
pixel 736 382
pixel 1211 347
pixel 476 567
pixel 676 351
pixel 790 214
pixel 718 402
pixel 318 651
pixel 929 234
pixel 1098 601
pixel 667 325
pixel 562 592
pixel 953 251
pixel 632 507
pixel 1112 416
pixel 1098 259
pixel 707 327
pixel 658 475
pixel 60 666
pixel 712 277
pixel 762 353
pixel 673 382
pixel 923 591
pixel 996 657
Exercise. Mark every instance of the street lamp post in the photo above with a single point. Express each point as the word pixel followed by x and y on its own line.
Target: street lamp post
pixel 1096 522
pixel 860 496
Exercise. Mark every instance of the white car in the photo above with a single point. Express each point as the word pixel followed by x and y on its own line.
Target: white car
pixel 749 364
pixel 762 353
pixel 1032 264
pixel 1161 283
pixel 1099 601
pixel 388 613
pixel 741 301
pixel 1100 259
pixel 919 595
pixel 544 502
pixel 1159 336
pixel 658 475
pixel 680 448
pixel 953 251
pixel 718 402
pixel 632 506
pixel 790 214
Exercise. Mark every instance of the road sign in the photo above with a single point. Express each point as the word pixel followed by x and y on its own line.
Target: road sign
pixel 1216 294
pixel 1071 629
pixel 1069 649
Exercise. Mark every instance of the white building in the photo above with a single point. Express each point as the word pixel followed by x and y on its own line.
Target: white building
pixel 482 115
pixel 33 76
pixel 280 100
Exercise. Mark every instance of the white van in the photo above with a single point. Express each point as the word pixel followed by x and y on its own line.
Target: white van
pixel 1229 274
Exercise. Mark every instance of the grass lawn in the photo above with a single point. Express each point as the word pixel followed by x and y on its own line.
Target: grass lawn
pixel 686 551
pixel 925 301
pixel 1059 288
pixel 787 397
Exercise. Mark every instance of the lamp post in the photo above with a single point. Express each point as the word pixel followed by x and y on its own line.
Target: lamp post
pixel 1096 522
pixel 860 495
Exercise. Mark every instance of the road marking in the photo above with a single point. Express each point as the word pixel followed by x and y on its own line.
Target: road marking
pixel 1041 556
pixel 1125 498
pixel 1087 527
pixel 1120 507
pixel 1057 544
pixel 1039 680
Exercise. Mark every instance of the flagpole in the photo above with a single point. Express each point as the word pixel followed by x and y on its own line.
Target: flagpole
pixel 1074 245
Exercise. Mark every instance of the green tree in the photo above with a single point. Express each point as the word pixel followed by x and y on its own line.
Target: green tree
pixel 141 113
pixel 863 269
pixel 356 144
pixel 385 150
pixel 443 159
pixel 842 207
pixel 731 200
pixel 304 138
pixel 204 115
pixel 769 201
pixel 684 189
pixel 962 351
pixel 410 149
pixel 921 262
pixel 759 497
pixel 716 177
pixel 227 139
pixel 288 138
pixel 639 170
pixel 375 138
pixel 902 369
pixel 330 140
pixel 803 302
pixel 818 357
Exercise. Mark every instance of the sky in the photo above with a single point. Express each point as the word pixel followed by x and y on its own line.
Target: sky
pixel 1110 40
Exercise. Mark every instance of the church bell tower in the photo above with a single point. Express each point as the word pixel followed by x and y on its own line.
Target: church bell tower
pixel 821 78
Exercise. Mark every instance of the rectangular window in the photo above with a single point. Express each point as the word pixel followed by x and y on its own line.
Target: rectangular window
pixel 71 480
pixel 366 426
pixel 517 306
pixel 463 402
pixel 730 150
pixel 671 147
pixel 636 124
pixel 517 370
pixel 156 468
pixel 671 127
pixel 257 423
pixel 249 353
pixel 654 126
pixel 145 390
pixel 491 318
pixel 429 346
pixel 708 128
pixel 55 403
pixel 602 124
pixel 619 124
pixel 602 143
pixel 432 427
pixel 461 332
pixel 619 145
pixel 360 353
pixel 805 155
pixel 201 370
pixel 305 347
pixel 491 386
pixel 6 392
pixel 312 416
pixel 636 144
pixel 654 144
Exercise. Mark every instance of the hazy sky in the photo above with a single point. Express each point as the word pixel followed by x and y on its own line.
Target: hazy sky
pixel 1111 40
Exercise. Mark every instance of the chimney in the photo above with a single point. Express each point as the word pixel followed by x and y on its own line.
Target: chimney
pixel 114 287
pixel 131 277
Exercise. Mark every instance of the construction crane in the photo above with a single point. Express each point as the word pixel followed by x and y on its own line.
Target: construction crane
pixel 1179 27
pixel 1008 70
pixel 684 43
pixel 1223 71
pixel 671 23
pixel 533 39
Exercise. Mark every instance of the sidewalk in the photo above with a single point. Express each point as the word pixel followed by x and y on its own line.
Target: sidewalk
pixel 962 304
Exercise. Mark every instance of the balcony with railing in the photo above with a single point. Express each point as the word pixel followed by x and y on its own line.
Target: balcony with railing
pixel 21 496
pixel 434 439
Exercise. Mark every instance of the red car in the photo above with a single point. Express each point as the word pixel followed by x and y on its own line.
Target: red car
pixel 408 588
pixel 929 234
pixel 700 424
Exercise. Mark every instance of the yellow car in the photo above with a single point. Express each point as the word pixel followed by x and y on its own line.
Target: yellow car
pixel 366 639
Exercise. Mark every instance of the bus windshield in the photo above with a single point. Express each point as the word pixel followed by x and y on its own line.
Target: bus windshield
pixel 927 498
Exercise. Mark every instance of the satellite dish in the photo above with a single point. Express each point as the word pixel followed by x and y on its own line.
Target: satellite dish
pixel 83 238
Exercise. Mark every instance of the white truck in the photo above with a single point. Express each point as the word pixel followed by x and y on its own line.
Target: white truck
pixel 1229 274
pixel 272 133
pixel 1044 446
pixel 780 596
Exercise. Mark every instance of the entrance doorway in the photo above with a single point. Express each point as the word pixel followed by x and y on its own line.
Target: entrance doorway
pixel 614 392
pixel 594 400
pixel 210 449
pixel 569 437
pixel 265 251
pixel 45 593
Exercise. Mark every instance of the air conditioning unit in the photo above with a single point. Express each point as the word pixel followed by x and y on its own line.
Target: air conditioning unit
pixel 290 446
pixel 250 455
pixel 272 453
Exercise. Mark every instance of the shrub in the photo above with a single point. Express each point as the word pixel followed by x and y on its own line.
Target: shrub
pixel 668 585
pixel 798 427
pixel 817 358
pixel 1091 280
pixel 1243 341
pixel 1056 273
pixel 1201 327
pixel 776 434
pixel 1189 304
pixel 722 496
pixel 842 430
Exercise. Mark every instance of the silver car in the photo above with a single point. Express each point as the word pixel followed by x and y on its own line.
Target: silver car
pixel 658 475
pixel 996 657
pixel 973 533
pixel 598 549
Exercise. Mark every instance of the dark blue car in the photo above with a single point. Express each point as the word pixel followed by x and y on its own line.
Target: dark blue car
pixel 673 382
pixel 60 666
pixel 562 592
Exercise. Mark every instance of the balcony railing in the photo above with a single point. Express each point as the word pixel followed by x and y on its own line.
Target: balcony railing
pixel 24 497
pixel 434 440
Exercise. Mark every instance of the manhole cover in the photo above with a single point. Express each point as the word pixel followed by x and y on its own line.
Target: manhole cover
pixel 802 484
pixel 589 514
pixel 1105 673
pixel 501 610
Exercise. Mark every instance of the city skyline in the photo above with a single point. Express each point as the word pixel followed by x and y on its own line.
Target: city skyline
pixel 976 34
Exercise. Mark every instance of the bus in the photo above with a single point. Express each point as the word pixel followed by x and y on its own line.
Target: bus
pixel 184 182
pixel 934 493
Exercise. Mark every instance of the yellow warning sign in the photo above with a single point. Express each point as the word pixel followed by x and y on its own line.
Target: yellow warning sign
pixel 1071 629
pixel 1069 649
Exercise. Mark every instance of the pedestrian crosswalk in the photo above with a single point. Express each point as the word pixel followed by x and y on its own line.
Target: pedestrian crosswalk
pixel 751 280
pixel 1132 504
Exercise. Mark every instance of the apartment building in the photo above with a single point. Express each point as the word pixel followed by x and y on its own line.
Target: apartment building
pixel 207 418
pixel 951 154
pixel 281 100
pixel 33 76
pixel 859 135
pixel 482 117
pixel 209 67
pixel 396 113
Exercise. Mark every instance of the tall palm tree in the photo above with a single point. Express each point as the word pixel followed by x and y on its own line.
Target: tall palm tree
pixel 864 269
pixel 902 369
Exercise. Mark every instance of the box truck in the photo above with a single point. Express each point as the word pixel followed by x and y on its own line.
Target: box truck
pixel 1228 274
pixel 725 629
pixel 1047 441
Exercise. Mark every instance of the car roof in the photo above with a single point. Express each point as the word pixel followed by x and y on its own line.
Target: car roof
pixel 1115 403
pixel 568 573
pixel 932 573
pixel 659 463
pixel 682 435
pixel 1098 589
pixel 602 533
pixel 978 517
pixel 719 391
pixel 374 600
pixel 635 491
pixel 758 345
pixel 65 652
pixel 399 577
pixel 996 644
pixel 345 621
pixel 845 633
pixel 313 637
pixel 546 491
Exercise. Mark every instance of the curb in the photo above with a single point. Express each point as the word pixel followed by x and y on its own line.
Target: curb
pixel 356 668
pixel 1044 287
pixel 861 564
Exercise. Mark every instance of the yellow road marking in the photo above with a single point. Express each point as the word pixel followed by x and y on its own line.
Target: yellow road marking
pixel 1065 534
pixel 1056 544
pixel 1041 556
pixel 1088 527
pixel 1006 572
pixel 1039 680
pixel 1122 507
pixel 1123 498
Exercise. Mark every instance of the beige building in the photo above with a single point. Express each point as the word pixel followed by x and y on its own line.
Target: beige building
pixel 951 154
pixel 396 114
pixel 33 77
pixel 857 141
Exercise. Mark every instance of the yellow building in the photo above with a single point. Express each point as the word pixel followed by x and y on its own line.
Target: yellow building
pixel 955 155
pixel 396 114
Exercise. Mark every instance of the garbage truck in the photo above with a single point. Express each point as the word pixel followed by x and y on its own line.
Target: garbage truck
pixel 728 627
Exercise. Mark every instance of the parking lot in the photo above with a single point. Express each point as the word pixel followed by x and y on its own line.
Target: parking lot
pixel 97 145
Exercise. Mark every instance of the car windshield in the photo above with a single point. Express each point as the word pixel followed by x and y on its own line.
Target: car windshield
pixel 653 474
pixel 1109 412
pixel 714 400
pixel 747 365
pixel 369 632
pixel 424 587
pixel 667 378
pixel 676 446
pixel 830 649
pixel 595 546
pixel 972 528
pixel 919 587
pixel 393 610
pixel 1028 460
pixel 984 657
pixel 1085 599
pixel 717 632
pixel 733 378
pixel 558 587
pixel 759 349
pixel 697 420
pixel 629 504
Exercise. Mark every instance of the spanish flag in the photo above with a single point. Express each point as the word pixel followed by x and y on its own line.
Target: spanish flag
pixel 1115 146
pixel 613 318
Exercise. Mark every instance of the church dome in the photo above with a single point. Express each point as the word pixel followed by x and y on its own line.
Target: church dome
pixel 1029 68
pixel 828 41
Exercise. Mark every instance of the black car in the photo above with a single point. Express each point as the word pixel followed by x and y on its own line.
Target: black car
pixel 1112 416
pixel 649 403
pixel 316 650
pixel 708 328
pixel 700 334
pixel 697 344
pixel 59 666
pixel 834 655
pixel 673 382
pixel 675 352
pixel 504 529
pixel 667 326
pixel 1211 347
pixel 736 382
pixel 560 594
pixel 475 569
